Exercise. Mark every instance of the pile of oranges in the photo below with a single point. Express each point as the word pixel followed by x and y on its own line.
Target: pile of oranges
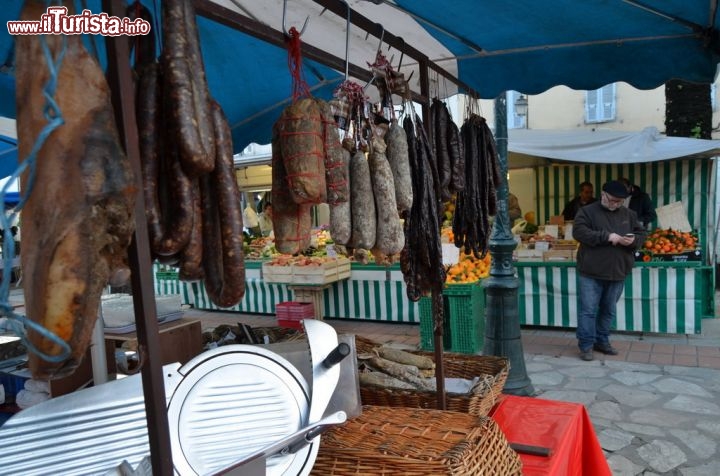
pixel 468 269
pixel 667 241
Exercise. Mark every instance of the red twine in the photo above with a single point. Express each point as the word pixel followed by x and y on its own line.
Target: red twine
pixel 299 87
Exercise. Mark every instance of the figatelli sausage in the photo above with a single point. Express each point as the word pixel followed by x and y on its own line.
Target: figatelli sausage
pixel 186 88
pixel 78 219
pixel 362 203
pixel 191 265
pixel 421 258
pixel 397 156
pixel 167 190
pixel 222 246
pixel 389 238
pixel 441 117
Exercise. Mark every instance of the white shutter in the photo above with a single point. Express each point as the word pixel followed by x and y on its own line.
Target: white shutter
pixel 600 104
pixel 513 120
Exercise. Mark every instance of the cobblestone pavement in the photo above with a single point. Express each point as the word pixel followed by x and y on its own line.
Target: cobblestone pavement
pixel 650 419
pixel 660 418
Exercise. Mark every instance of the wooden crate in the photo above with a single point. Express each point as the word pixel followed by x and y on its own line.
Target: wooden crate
pixel 559 255
pixel 277 274
pixel 327 272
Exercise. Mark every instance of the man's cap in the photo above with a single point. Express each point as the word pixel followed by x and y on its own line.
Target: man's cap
pixel 616 189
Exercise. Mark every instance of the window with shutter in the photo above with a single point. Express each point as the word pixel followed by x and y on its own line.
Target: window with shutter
pixel 600 104
pixel 513 120
pixel 713 96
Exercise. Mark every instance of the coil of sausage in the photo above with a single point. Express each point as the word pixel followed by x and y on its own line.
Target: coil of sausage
pixel 186 88
pixel 222 245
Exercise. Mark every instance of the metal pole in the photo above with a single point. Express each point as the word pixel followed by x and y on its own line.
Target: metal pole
pixel 502 320
pixel 123 91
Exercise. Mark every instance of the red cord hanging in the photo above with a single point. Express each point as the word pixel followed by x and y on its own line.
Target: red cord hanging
pixel 299 87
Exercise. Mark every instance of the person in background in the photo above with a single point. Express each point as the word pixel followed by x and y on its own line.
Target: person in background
pixel 585 196
pixel 250 220
pixel 514 211
pixel 640 202
pixel 265 219
pixel 608 234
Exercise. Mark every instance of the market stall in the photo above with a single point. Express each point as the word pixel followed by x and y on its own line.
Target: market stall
pixel 668 294
pixel 122 88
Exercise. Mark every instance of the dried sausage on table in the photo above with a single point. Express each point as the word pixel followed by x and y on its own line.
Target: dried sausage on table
pixel 78 219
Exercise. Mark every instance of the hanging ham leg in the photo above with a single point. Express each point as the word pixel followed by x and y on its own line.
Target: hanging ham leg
pixel 78 220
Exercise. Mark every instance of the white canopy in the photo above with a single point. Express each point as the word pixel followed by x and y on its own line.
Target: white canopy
pixel 607 146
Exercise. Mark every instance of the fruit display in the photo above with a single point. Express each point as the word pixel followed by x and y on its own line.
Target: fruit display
pixel 663 244
pixel 468 269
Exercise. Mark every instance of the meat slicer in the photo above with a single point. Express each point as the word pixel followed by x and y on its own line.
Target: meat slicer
pixel 236 409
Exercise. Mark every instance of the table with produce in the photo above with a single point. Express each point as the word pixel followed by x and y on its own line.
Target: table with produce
pixel 663 294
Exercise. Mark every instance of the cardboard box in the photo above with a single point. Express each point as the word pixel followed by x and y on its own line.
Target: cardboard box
pixel 180 340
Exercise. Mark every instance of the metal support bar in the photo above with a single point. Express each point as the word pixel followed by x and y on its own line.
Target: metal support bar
pixel 241 23
pixel 123 93
pixel 502 319
pixel 364 23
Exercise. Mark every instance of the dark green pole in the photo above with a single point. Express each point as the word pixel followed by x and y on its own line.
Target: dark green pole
pixel 502 319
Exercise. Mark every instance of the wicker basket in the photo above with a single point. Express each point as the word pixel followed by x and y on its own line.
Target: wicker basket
pixel 416 442
pixel 493 372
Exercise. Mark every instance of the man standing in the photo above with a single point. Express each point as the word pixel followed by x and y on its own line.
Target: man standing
pixel 586 195
pixel 608 234
pixel 641 203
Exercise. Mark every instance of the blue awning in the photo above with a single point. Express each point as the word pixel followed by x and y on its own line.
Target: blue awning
pixel 492 46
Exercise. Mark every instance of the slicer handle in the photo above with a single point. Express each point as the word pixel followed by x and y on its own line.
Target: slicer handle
pixel 337 355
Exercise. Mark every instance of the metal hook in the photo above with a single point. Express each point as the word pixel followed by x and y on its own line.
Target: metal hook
pixel 382 35
pixel 285 30
pixel 347 40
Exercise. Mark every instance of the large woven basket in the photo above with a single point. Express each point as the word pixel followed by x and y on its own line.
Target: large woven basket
pixel 491 370
pixel 416 442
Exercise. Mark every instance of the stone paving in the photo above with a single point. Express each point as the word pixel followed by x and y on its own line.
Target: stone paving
pixel 655 407
pixel 650 419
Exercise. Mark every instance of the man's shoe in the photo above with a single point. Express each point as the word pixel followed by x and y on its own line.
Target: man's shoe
pixel 586 355
pixel 606 349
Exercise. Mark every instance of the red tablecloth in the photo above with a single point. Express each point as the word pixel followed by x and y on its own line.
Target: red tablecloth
pixel 563 427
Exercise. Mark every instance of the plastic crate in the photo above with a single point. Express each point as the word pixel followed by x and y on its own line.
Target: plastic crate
pixel 427 338
pixel 12 384
pixel 464 321
pixel 295 310
pixel 290 323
